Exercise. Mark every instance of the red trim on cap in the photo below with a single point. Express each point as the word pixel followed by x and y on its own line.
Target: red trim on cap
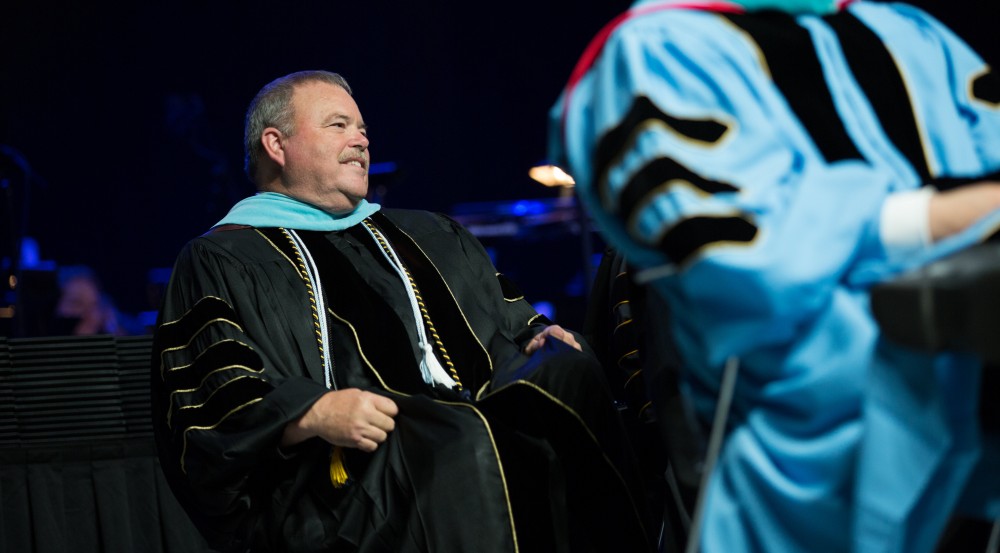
pixel 593 49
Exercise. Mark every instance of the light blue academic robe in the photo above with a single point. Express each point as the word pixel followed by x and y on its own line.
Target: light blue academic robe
pixel 766 245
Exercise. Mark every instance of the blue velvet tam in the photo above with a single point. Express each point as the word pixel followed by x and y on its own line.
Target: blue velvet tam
pixel 790 6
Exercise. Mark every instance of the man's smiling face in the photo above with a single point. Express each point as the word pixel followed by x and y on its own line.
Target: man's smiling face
pixel 326 155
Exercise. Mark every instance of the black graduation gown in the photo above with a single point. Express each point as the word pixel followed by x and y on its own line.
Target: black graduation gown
pixel 530 457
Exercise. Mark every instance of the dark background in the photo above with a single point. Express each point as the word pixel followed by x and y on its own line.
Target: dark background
pixel 129 115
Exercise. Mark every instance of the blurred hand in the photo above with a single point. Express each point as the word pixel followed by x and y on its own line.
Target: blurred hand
pixel 555 331
pixel 955 210
pixel 349 418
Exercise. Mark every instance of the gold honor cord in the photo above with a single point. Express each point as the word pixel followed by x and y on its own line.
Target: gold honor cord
pixel 420 302
pixel 624 357
pixel 309 274
pixel 338 468
pixel 621 325
pixel 303 271
pixel 465 319
pixel 642 409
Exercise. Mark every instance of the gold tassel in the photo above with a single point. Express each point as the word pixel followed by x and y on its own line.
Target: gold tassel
pixel 338 472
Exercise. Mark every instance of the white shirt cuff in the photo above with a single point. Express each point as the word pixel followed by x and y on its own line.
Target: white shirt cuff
pixel 904 226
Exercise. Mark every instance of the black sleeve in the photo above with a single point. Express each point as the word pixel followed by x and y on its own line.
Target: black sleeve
pixel 219 408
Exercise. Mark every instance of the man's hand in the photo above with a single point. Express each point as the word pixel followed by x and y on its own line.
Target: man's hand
pixel 555 331
pixel 955 210
pixel 349 418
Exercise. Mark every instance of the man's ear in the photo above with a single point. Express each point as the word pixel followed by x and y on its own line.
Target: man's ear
pixel 272 140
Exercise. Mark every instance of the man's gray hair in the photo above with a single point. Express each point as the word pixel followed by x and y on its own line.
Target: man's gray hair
pixel 272 107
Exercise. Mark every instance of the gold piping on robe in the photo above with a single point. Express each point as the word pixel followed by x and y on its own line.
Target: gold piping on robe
pixel 586 429
pixel 190 428
pixel 170 402
pixel 489 359
pixel 195 306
